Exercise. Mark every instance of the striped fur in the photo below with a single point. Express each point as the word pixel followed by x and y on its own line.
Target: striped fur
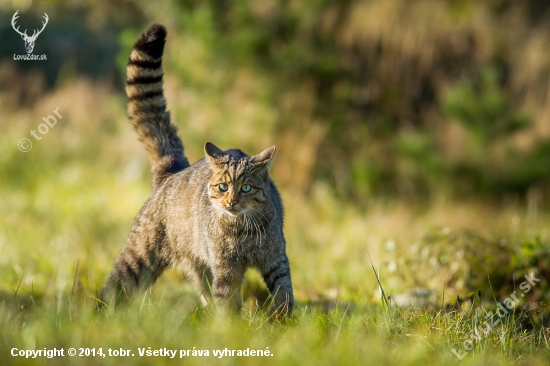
pixel 147 106
pixel 212 220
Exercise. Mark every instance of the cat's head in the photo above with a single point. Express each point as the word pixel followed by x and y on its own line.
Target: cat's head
pixel 238 183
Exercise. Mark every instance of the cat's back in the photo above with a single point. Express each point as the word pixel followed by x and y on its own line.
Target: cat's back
pixel 187 188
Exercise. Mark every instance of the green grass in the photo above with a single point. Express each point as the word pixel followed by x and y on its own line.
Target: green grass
pixel 345 335
pixel 68 205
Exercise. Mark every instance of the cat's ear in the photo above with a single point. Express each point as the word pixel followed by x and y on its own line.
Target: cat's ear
pixel 265 158
pixel 213 153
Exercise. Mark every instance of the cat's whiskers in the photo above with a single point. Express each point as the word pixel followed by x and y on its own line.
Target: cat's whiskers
pixel 258 232
pixel 258 226
pixel 249 219
pixel 245 211
pixel 259 221
pixel 261 213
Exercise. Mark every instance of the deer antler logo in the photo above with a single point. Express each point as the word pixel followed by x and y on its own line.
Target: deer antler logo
pixel 29 40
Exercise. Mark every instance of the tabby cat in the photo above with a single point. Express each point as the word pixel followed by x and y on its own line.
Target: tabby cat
pixel 213 219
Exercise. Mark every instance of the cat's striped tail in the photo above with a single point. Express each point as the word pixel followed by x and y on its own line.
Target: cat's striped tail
pixel 147 106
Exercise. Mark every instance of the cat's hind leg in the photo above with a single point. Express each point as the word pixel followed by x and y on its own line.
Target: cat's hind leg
pixel 134 271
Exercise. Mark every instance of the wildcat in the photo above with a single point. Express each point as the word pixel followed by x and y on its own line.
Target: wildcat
pixel 213 219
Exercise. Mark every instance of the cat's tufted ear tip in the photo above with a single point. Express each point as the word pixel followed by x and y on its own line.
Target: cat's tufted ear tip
pixel 212 150
pixel 266 157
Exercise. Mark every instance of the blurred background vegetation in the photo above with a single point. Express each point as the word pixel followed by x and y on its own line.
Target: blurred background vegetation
pixel 375 98
pixel 394 121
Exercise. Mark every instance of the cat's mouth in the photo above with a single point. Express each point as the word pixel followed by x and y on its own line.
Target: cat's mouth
pixel 232 210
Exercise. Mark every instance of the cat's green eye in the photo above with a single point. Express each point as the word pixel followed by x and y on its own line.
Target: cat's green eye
pixel 223 187
pixel 246 188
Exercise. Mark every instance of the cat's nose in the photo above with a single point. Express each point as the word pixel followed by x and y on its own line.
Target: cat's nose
pixel 232 203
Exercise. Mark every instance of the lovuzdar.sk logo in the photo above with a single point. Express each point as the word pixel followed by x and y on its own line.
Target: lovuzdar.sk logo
pixel 29 40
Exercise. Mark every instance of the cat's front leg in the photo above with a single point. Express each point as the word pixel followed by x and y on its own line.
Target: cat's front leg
pixel 227 281
pixel 278 281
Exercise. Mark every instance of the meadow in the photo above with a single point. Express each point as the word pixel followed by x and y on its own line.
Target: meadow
pixel 407 228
